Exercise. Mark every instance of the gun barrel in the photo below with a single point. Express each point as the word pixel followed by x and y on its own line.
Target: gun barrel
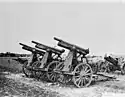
pixel 26 47
pixel 34 50
pixel 23 44
pixel 57 39
pixel 36 42
pixel 69 46
pixel 45 47
pixel 50 49
pixel 111 60
pixel 40 45
pixel 39 52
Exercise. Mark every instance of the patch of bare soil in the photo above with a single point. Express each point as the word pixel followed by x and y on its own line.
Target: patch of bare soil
pixel 11 86
pixel 17 85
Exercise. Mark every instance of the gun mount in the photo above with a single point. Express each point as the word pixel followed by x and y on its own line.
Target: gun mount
pixel 69 46
pixel 48 48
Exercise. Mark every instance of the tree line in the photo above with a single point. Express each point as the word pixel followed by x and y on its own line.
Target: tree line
pixel 9 54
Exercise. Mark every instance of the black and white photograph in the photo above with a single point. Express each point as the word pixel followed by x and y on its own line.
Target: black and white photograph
pixel 62 48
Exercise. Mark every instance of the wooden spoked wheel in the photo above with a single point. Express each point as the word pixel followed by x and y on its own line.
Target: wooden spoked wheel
pixel 61 77
pixel 38 74
pixel 51 75
pixel 82 75
pixel 27 72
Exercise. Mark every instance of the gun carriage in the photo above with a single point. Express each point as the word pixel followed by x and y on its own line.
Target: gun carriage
pixel 51 55
pixel 112 64
pixel 72 68
pixel 27 67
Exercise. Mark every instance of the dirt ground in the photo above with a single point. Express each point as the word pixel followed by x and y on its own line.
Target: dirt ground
pixel 17 85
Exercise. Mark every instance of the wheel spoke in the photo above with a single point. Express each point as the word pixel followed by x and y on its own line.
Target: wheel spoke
pixel 78 81
pixel 54 77
pixel 85 68
pixel 51 75
pixel 88 70
pixel 78 76
pixel 84 81
pixel 81 82
pixel 88 74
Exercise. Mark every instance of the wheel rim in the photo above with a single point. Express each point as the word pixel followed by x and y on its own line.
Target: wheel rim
pixel 51 75
pixel 37 74
pixel 82 75
pixel 27 72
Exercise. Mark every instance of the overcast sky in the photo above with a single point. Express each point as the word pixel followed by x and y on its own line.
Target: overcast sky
pixel 97 26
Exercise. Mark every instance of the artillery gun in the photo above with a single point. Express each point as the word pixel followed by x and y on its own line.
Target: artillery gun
pixel 72 68
pixel 113 64
pixel 27 67
pixel 51 55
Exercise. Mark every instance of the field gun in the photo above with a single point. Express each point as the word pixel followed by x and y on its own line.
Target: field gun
pixel 68 69
pixel 51 55
pixel 113 64
pixel 27 67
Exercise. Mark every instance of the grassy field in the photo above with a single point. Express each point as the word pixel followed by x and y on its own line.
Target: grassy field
pixel 9 63
pixel 13 83
pixel 13 88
